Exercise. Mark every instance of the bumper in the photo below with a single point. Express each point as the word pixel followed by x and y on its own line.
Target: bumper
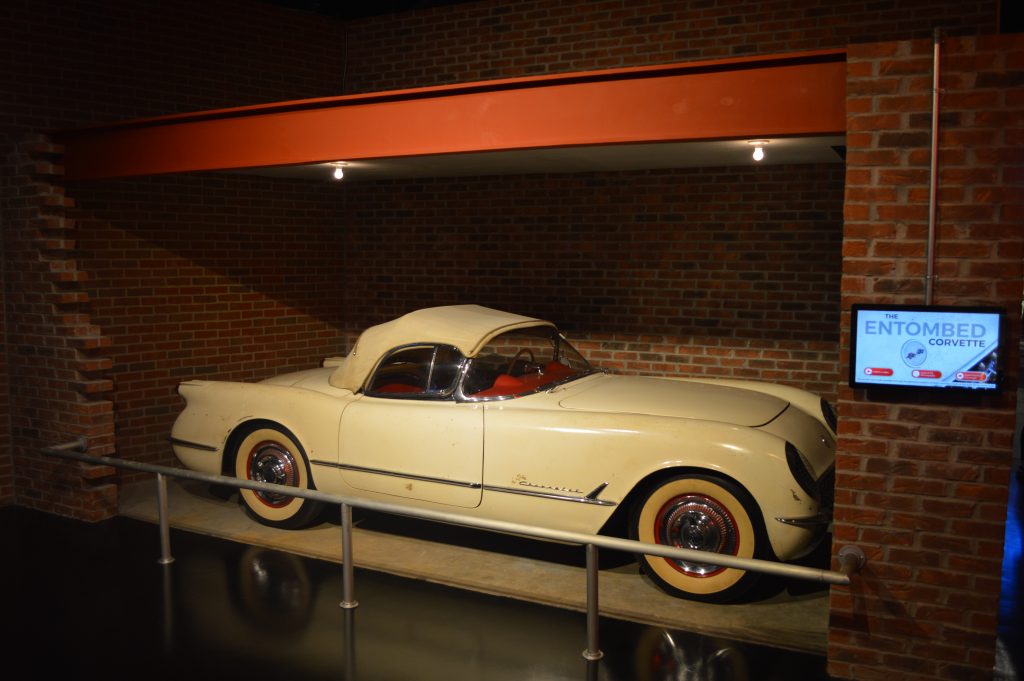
pixel 817 521
pixel 197 456
pixel 795 534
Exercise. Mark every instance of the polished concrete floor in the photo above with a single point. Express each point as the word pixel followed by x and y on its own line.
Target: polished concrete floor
pixel 90 601
pixel 784 614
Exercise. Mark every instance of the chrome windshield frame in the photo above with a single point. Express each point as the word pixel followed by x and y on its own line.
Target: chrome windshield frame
pixel 560 342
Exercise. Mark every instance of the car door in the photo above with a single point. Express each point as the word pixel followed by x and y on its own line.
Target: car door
pixel 406 435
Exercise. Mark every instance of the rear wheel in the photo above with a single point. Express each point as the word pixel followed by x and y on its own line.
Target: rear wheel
pixel 705 513
pixel 267 452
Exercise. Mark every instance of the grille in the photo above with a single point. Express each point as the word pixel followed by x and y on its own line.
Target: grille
pixel 830 415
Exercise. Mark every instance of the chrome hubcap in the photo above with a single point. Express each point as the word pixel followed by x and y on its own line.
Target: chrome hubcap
pixel 270 462
pixel 694 521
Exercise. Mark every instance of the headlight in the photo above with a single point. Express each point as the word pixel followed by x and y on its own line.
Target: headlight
pixel 829 415
pixel 801 471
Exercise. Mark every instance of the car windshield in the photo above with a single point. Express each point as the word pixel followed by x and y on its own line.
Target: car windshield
pixel 521 362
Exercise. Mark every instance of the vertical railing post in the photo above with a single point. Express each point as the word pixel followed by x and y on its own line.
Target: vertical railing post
pixel 168 613
pixel 593 651
pixel 350 645
pixel 348 572
pixel 165 532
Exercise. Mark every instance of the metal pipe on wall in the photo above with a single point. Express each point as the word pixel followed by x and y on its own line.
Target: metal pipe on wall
pixel 933 180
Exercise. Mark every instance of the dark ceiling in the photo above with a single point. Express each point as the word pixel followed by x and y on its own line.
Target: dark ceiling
pixel 347 9
pixel 807 150
pixel 1011 12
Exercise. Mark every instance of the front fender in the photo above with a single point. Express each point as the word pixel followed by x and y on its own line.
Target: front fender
pixel 803 400
pixel 573 450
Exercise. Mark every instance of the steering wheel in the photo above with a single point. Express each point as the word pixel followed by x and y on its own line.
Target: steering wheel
pixel 523 351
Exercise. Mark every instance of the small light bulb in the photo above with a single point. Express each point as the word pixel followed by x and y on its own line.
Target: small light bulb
pixel 338 173
pixel 758 153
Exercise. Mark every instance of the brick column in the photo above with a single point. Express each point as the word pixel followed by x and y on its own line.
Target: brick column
pixel 59 389
pixel 922 481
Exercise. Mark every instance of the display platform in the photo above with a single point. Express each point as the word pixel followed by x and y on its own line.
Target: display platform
pixel 789 615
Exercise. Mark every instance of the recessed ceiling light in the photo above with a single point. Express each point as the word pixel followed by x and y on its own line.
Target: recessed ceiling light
pixel 759 146
pixel 339 169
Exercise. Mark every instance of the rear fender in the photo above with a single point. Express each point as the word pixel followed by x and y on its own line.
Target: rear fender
pixel 215 409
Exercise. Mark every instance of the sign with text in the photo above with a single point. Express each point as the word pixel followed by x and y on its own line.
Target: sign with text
pixel 925 347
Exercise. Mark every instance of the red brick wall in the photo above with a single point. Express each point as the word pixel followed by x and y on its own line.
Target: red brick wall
pixel 69 63
pixel 697 272
pixel 227 277
pixel 914 479
pixel 73 62
pixel 500 39
pixel 738 252
pixel 727 271
pixel 804 364
pixel 922 483
pixel 57 370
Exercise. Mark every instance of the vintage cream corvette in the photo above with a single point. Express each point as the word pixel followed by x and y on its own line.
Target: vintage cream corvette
pixel 496 415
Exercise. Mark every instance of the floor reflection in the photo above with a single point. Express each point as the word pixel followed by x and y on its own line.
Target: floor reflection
pixel 92 601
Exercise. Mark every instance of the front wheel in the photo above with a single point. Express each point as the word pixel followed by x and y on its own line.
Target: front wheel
pixel 267 452
pixel 705 513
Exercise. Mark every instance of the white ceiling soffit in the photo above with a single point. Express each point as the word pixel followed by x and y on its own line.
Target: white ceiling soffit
pixel 794 150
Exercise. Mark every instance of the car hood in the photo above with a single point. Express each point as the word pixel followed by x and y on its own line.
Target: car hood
pixel 678 399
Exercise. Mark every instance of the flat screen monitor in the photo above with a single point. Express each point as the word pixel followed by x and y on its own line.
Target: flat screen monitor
pixel 926 347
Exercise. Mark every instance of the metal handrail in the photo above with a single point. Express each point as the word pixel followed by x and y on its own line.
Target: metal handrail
pixel 851 558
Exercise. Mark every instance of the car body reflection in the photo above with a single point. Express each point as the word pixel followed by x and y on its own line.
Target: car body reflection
pixel 263 611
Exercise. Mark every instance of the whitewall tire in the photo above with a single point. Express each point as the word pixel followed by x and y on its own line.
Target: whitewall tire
pixel 267 452
pixel 703 512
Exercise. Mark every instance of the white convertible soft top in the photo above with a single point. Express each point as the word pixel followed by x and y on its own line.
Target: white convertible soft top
pixel 467 327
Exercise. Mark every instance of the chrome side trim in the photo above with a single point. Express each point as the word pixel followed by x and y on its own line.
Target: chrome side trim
pixel 191 445
pixel 809 521
pixel 396 474
pixel 554 497
pixel 588 499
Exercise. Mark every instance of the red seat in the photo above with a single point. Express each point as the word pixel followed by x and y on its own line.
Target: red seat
pixel 398 388
pixel 556 371
pixel 503 385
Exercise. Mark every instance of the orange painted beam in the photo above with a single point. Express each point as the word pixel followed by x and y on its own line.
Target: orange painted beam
pixel 779 96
